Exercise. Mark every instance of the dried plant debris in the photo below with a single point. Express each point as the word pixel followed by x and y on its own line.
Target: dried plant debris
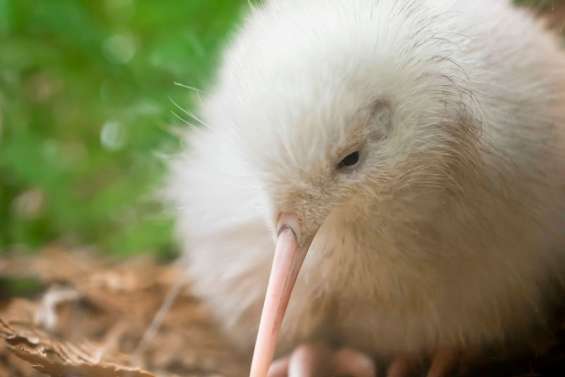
pixel 61 358
pixel 96 318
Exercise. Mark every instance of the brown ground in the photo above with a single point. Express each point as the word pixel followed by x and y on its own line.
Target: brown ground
pixel 87 318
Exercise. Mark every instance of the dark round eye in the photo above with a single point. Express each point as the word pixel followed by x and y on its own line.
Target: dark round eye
pixel 349 161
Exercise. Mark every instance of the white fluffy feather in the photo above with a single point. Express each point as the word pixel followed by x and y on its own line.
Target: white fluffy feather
pixel 452 231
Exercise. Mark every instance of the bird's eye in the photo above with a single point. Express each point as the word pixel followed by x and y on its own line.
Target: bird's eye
pixel 349 161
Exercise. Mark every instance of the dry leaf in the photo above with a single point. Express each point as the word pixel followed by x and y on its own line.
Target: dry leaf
pixel 88 298
pixel 60 358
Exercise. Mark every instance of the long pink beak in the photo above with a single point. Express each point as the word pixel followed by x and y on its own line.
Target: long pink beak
pixel 286 265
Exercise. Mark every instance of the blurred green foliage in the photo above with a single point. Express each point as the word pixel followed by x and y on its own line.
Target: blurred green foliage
pixel 87 104
pixel 87 94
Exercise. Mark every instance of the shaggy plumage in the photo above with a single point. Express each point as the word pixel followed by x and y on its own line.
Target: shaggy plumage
pixel 449 233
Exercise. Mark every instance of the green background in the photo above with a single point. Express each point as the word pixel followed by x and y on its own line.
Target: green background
pixel 88 109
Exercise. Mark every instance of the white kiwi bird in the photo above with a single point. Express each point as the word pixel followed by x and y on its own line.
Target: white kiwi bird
pixel 397 165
